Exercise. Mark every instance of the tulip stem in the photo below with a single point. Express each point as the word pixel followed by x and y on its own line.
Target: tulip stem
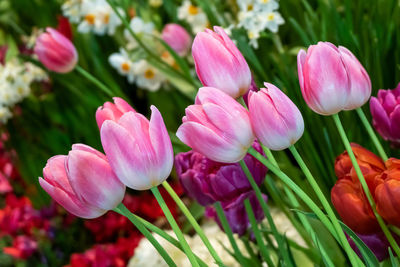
pixel 188 251
pixel 121 209
pixel 372 134
pixel 279 238
pixel 257 233
pixel 295 204
pixel 94 80
pixel 193 222
pixel 364 184
pixel 326 205
pixel 228 231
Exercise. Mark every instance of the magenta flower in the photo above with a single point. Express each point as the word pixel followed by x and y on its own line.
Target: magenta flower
pixel 208 181
pixel 385 110
pixel 55 51
pixel 82 182
pixel 177 38
pixel 276 120
pixel 139 151
pixel 217 126
pixel 219 63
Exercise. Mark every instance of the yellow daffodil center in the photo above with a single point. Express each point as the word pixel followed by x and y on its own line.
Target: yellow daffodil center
pixel 193 10
pixel 90 18
pixel 125 66
pixel 149 74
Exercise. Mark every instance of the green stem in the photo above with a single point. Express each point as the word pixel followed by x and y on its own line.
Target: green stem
pixel 229 233
pixel 303 219
pixel 257 234
pixel 372 134
pixel 364 185
pixel 193 222
pixel 279 238
pixel 395 229
pixel 296 189
pixel 94 80
pixel 188 251
pixel 326 205
pixel 121 209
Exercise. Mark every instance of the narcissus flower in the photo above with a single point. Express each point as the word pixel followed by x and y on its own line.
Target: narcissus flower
pixel 219 63
pixel 82 182
pixel 385 110
pixel 276 120
pixel 332 79
pixel 55 51
pixel 217 126
pixel 177 38
pixel 139 151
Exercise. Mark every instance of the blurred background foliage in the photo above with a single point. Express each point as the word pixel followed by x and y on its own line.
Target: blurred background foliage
pixel 50 123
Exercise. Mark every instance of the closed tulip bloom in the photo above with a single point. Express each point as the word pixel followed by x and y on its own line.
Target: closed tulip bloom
pixel 276 120
pixel 324 81
pixel 385 110
pixel 55 51
pixel 177 38
pixel 208 181
pixel 387 193
pixel 82 182
pixel 219 63
pixel 360 83
pixel 139 151
pixel 376 242
pixel 217 126
pixel 112 111
pixel 371 165
pixel 351 204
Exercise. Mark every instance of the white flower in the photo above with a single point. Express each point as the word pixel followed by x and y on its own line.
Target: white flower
pixel 193 15
pixel 98 16
pixel 5 114
pixel 155 3
pixel 272 21
pixel 72 10
pixel 147 77
pixel 123 64
pixel 140 28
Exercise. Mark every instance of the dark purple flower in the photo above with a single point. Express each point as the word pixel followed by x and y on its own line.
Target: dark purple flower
pixel 208 181
pixel 385 110
pixel 235 212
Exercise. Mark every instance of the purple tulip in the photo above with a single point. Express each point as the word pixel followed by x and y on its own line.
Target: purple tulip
pixel 385 110
pixel 208 181
pixel 376 242
pixel 235 212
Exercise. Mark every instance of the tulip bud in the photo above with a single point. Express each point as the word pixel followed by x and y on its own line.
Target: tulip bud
pixel 217 126
pixel 376 242
pixel 177 38
pixel 208 181
pixel 360 84
pixel 112 111
pixel 55 51
pixel 323 78
pixel 82 182
pixel 387 193
pixel 351 204
pixel 385 110
pixel 139 151
pixel 276 120
pixel 371 165
pixel 219 63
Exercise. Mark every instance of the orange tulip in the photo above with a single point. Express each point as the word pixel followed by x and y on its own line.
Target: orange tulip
pixel 371 165
pixel 350 202
pixel 387 193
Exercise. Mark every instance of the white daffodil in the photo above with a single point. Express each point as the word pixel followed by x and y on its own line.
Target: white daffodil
pixel 193 15
pixel 140 28
pixel 147 77
pixel 123 64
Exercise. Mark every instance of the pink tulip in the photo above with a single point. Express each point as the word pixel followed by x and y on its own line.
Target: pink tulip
pixel 177 38
pixel 323 78
pixel 276 120
pixel 55 51
pixel 220 64
pixel 217 126
pixel 140 152
pixel 360 83
pixel 112 111
pixel 82 182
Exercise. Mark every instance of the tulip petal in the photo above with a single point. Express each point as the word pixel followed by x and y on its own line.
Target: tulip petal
pixel 380 118
pixel 395 123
